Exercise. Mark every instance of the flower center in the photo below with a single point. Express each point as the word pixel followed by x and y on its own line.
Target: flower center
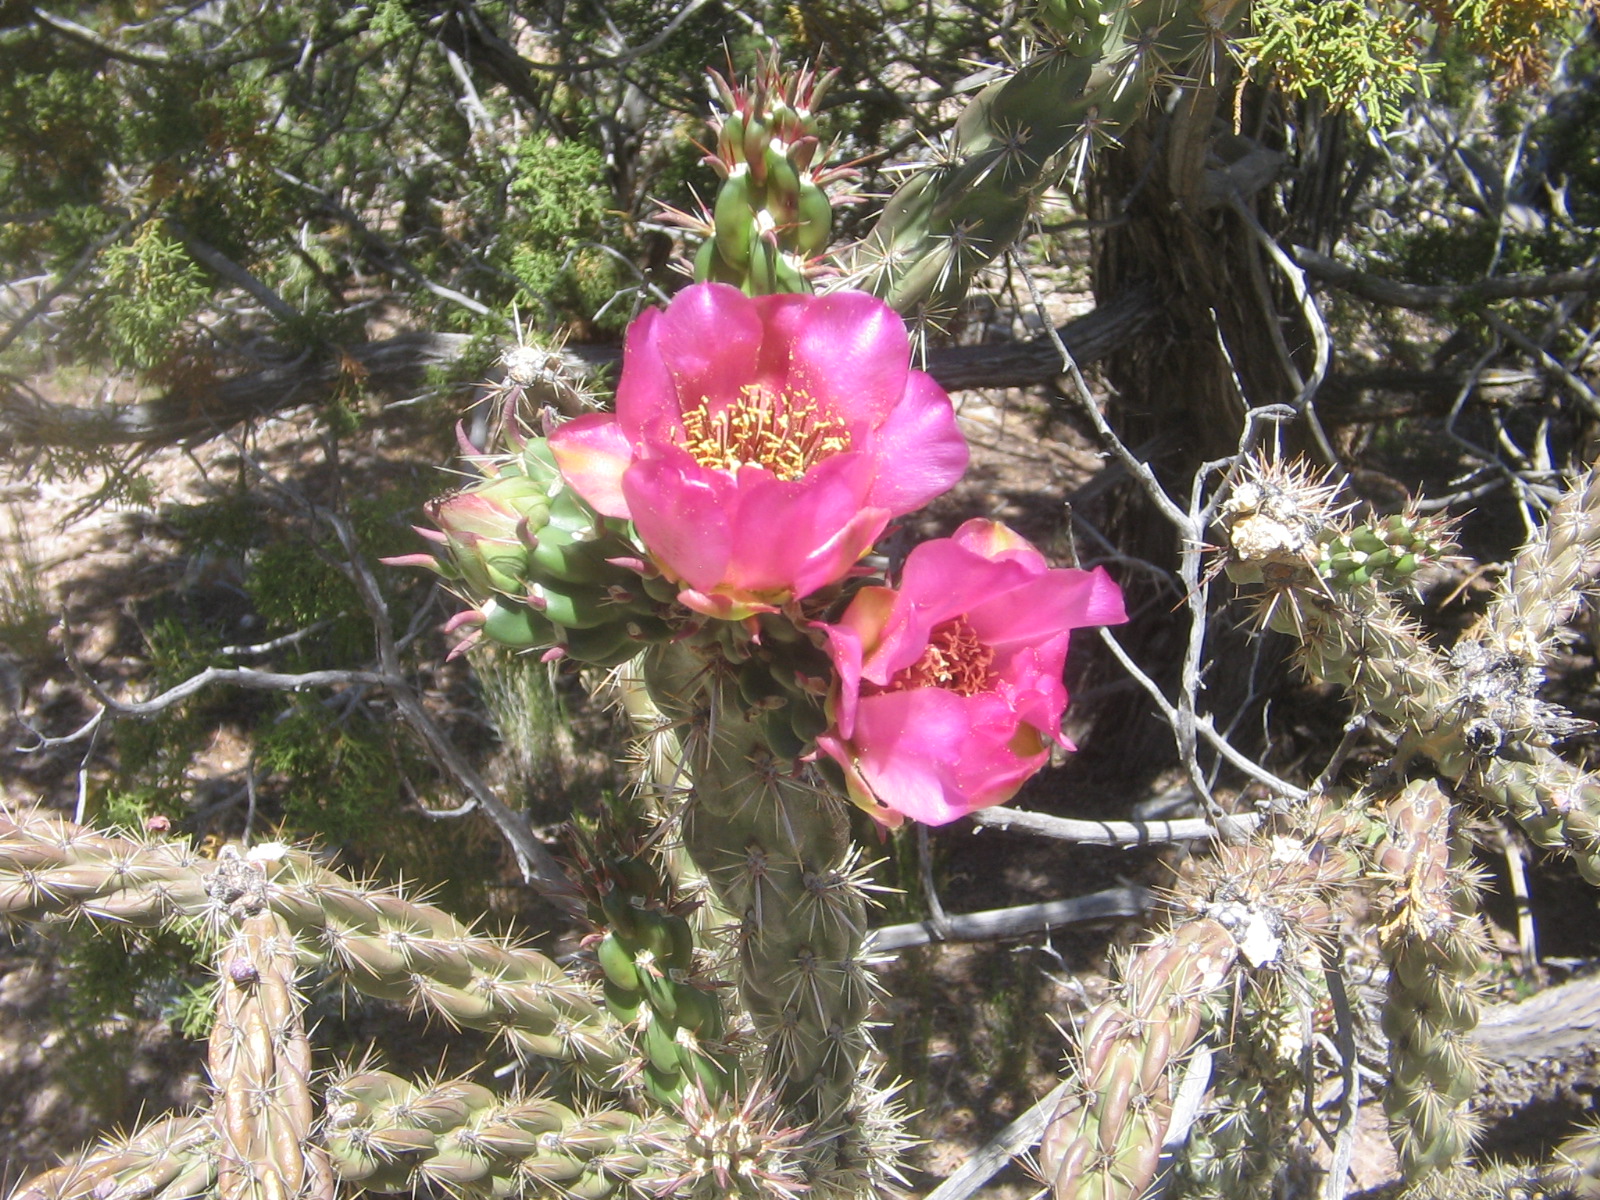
pixel 786 434
pixel 956 660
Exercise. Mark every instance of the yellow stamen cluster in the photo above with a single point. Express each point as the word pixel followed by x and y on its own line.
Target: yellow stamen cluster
pixel 956 660
pixel 787 434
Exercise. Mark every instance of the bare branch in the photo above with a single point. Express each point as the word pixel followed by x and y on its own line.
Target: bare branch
pixel 1103 833
pixel 1425 296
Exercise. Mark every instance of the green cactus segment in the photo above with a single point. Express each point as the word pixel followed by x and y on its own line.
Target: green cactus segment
pixel 1104 1139
pixel 653 981
pixel 772 215
pixel 949 220
pixel 389 1135
pixel 174 1158
pixel 1475 711
pixel 1557 804
pixel 1281 522
pixel 379 942
pixel 1434 945
pixel 260 1065
pixel 1237 1148
pixel 539 568
pixel 1387 553
pixel 775 848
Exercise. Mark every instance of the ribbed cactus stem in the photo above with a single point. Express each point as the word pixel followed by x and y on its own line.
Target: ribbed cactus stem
pixel 1071 98
pixel 388 1134
pixel 1574 1169
pixel 1104 1139
pixel 260 1060
pixel 1264 903
pixel 1556 803
pixel 1544 586
pixel 173 1158
pixel 1239 1143
pixel 380 943
pixel 1434 946
pixel 776 849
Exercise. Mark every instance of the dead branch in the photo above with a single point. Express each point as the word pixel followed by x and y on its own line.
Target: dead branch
pixel 398 365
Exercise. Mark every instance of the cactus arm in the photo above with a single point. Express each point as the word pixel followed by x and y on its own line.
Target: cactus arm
pixel 775 848
pixel 380 943
pixel 1084 86
pixel 1265 902
pixel 1434 946
pixel 173 1158
pixel 260 1061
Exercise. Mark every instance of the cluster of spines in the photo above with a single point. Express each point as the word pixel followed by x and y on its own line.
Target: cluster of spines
pixel 1434 945
pixel 1264 903
pixel 1286 530
pixel 1087 82
pixel 377 941
pixel 1240 1142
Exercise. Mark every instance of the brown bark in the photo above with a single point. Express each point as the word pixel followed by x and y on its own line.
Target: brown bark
pixel 1185 384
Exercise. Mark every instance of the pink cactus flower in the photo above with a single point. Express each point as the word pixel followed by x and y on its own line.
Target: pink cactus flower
pixel 949 687
pixel 761 445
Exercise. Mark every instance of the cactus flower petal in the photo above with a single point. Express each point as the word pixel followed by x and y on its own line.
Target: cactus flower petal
pixel 949 687
pixel 761 445
pixel 592 453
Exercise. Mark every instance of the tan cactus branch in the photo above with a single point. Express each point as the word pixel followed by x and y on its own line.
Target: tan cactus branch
pixel 1261 902
pixel 1434 945
pixel 260 1060
pixel 380 943
pixel 174 1158
pixel 1544 586
pixel 389 1135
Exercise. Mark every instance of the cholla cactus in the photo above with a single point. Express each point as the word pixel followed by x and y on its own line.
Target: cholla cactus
pixel 1470 726
pixel 260 1059
pixel 1264 905
pixel 1434 946
pixel 772 217
pixel 1089 77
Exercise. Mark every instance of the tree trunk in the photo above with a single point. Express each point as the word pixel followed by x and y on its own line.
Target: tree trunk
pixel 1185 384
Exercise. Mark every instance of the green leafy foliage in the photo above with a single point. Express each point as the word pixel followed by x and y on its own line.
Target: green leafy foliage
pixel 155 287
pixel 339 777
pixel 1353 54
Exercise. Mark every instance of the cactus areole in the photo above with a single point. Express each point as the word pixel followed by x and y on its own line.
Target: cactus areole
pixel 761 445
